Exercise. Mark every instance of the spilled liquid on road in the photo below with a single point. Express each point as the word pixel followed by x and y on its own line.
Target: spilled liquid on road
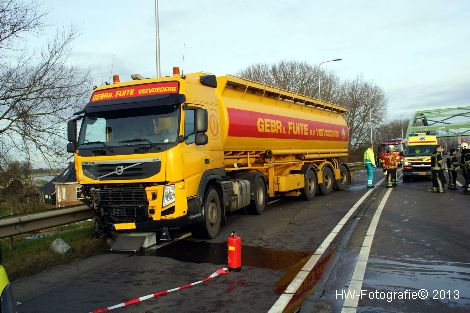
pixel 398 274
pixel 216 253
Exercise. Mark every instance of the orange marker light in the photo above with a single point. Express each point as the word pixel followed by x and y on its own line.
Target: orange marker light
pixel 116 79
pixel 176 71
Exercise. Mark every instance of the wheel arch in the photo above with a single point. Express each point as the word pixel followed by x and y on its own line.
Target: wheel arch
pixel 212 178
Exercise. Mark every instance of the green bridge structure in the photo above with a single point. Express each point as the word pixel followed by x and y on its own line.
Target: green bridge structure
pixel 447 122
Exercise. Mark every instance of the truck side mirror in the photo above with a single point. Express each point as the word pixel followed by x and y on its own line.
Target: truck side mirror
pixel 72 130
pixel 201 139
pixel 200 121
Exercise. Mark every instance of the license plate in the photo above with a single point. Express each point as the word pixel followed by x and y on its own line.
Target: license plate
pixel 421 174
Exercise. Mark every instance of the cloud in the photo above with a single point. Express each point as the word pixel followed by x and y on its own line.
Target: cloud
pixel 405 101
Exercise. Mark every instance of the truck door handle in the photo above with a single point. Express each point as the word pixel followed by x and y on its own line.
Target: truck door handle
pixel 207 161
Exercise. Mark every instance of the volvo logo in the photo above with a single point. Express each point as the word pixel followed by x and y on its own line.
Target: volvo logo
pixel 119 170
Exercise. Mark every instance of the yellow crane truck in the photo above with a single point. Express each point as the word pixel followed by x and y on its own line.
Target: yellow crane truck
pixel 186 150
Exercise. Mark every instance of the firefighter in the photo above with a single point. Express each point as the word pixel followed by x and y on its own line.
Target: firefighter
pixel 437 170
pixel 465 163
pixel 453 165
pixel 369 163
pixel 391 161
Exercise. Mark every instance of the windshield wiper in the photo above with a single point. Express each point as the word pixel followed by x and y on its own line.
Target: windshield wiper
pixel 152 144
pixel 92 142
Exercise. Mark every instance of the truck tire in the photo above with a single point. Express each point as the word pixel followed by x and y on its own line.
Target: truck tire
pixel 210 226
pixel 345 175
pixel 259 201
pixel 311 185
pixel 328 181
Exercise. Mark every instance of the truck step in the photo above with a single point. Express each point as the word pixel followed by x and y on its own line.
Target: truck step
pixel 133 242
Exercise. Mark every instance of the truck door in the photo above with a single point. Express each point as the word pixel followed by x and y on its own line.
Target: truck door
pixel 196 158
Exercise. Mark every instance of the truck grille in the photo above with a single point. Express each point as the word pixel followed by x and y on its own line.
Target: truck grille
pixel 130 169
pixel 123 204
pixel 126 214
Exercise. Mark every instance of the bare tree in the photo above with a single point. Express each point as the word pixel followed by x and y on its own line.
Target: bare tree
pixel 298 77
pixel 392 130
pixel 18 194
pixel 38 90
pixel 366 104
pixel 17 18
pixel 360 97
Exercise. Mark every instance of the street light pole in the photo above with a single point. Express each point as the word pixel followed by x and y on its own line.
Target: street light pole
pixel 319 75
pixel 401 124
pixel 157 39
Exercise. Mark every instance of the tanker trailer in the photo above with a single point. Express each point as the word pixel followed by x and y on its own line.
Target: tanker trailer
pixel 183 151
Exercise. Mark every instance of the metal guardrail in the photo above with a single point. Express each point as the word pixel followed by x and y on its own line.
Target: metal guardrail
pixel 25 223
pixel 356 166
pixel 20 224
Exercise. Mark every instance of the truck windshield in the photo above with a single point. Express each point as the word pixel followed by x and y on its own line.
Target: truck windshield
pixel 130 127
pixel 424 150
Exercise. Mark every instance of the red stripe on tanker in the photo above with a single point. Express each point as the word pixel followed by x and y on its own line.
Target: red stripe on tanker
pixel 243 123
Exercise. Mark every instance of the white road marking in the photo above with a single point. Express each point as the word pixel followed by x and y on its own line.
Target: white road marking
pixel 284 299
pixel 355 286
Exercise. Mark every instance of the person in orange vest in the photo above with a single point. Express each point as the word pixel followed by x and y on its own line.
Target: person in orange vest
pixel 391 161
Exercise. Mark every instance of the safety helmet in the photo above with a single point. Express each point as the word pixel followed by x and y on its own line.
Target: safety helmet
pixel 391 147
pixel 464 145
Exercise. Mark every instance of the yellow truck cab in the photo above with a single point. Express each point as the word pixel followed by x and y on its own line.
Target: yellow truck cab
pixel 185 150
pixel 417 160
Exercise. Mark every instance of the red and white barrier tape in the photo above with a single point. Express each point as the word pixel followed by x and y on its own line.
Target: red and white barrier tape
pixel 221 271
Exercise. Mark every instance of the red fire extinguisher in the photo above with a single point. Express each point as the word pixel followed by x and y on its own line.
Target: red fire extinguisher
pixel 234 253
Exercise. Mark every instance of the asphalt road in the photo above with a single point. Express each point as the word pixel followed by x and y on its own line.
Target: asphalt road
pixel 421 241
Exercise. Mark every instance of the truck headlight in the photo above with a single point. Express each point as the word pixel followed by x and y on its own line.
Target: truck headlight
pixel 407 163
pixel 168 195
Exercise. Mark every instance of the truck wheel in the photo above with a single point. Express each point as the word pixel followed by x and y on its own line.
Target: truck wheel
pixel 328 181
pixel 259 202
pixel 345 178
pixel 210 226
pixel 311 185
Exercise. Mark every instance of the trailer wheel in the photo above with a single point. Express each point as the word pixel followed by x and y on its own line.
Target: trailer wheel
pixel 311 185
pixel 328 181
pixel 259 202
pixel 345 178
pixel 210 226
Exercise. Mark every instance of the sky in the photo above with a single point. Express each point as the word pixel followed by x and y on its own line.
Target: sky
pixel 417 51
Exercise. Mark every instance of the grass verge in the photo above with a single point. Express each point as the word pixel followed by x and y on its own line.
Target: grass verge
pixel 32 256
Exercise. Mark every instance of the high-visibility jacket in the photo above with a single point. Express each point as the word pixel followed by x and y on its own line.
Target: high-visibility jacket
pixel 452 163
pixel 391 160
pixel 467 161
pixel 437 162
pixel 369 156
